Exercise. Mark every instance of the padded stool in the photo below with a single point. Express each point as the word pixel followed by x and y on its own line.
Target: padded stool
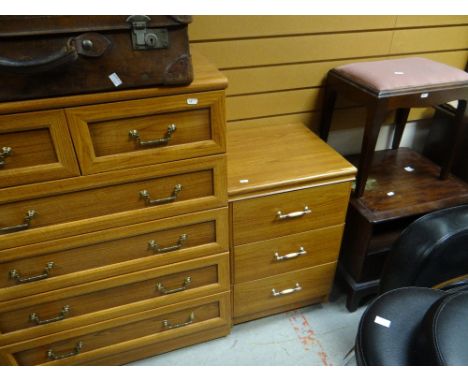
pixel 394 85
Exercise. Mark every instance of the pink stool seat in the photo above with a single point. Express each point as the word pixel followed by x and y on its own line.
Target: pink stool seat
pixel 390 76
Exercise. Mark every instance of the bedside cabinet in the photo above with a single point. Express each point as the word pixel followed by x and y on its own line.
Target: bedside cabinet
pixel 288 195
pixel 114 224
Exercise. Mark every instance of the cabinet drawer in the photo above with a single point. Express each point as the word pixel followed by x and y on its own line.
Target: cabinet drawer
pixel 290 212
pixel 112 252
pixel 35 147
pixel 145 196
pixel 66 308
pixel 304 286
pixel 85 345
pixel 154 130
pixel 287 253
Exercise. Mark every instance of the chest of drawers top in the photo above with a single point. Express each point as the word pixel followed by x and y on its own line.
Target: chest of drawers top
pixel 266 159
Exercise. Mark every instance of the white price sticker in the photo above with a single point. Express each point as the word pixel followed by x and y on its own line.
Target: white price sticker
pixel 382 321
pixel 192 101
pixel 115 79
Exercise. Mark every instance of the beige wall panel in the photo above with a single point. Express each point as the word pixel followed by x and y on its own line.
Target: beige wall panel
pixel 420 21
pixel 268 104
pixel 273 78
pixel 279 103
pixel 296 76
pixel 429 39
pixel 456 59
pixel 229 27
pixel 268 51
pixel 349 118
pixel 342 119
pixel 305 118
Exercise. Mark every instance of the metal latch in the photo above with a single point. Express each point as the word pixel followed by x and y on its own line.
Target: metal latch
pixel 145 39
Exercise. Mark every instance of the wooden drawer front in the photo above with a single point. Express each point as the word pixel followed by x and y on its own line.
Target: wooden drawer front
pixel 257 219
pixel 110 253
pixel 153 287
pixel 287 253
pixel 126 333
pixel 102 138
pixel 75 206
pixel 257 296
pixel 35 147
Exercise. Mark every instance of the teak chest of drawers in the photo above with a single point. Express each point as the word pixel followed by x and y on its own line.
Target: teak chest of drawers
pixel 114 224
pixel 288 195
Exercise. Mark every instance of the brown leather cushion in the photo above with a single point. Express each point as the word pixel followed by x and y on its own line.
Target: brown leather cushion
pixel 404 73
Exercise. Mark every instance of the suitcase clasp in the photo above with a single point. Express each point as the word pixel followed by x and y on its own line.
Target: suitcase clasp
pixel 144 38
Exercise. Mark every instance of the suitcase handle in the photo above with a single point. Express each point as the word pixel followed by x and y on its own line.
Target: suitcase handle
pixel 65 55
pixel 87 44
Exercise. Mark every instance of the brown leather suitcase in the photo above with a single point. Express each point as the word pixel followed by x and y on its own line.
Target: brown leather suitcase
pixel 45 56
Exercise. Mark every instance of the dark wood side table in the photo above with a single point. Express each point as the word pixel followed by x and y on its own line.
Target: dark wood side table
pixel 402 186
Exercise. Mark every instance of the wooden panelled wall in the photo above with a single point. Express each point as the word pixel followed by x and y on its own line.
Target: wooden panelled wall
pixel 276 65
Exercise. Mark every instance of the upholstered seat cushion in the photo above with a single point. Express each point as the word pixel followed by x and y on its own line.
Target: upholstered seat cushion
pixel 445 331
pixel 389 327
pixel 399 74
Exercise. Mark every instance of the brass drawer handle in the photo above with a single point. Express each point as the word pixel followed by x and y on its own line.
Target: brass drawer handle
pixel 6 151
pixel 291 255
pixel 51 355
pixel 34 317
pixel 134 134
pixel 166 324
pixel 15 275
pixel 155 246
pixel 292 215
pixel 163 290
pixel 31 214
pixel 286 291
pixel 154 202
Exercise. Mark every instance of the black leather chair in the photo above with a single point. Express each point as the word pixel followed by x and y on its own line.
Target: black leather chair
pixel 410 323
pixel 444 332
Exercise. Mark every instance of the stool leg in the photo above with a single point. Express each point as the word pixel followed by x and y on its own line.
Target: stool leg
pixel 457 137
pixel 327 112
pixel 401 117
pixel 374 120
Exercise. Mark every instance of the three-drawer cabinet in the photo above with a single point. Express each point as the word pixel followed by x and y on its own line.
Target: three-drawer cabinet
pixel 114 239
pixel 288 194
